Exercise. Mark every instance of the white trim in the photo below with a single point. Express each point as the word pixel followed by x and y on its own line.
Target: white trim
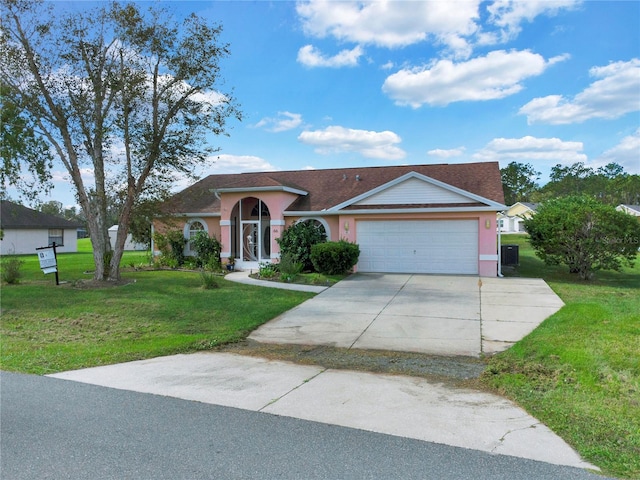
pixel 225 254
pixel 225 223
pixel 395 211
pixel 277 223
pixel 433 181
pixel 487 257
pixel 279 188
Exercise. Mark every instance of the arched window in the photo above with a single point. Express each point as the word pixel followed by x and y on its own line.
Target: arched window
pixel 194 228
pixel 320 222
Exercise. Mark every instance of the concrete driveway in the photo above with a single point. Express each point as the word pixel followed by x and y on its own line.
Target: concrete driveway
pixel 434 314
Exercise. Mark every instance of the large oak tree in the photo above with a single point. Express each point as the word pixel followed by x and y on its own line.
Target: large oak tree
pixel 131 95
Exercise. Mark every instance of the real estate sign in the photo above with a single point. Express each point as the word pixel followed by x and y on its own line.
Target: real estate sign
pixel 48 262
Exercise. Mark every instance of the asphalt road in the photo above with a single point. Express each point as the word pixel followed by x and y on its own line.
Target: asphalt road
pixel 55 429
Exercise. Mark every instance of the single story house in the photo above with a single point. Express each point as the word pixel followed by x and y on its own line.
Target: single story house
pixel 129 244
pixel 413 218
pixel 24 230
pixel 511 221
pixel 630 209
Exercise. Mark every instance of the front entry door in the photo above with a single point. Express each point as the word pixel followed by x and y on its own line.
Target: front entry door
pixel 250 241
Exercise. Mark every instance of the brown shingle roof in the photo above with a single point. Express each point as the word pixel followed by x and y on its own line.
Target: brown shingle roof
pixel 331 187
pixel 17 216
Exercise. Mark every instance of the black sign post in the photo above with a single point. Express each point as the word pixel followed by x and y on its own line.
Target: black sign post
pixel 49 260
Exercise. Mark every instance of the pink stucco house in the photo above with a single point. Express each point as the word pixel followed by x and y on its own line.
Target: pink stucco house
pixel 413 218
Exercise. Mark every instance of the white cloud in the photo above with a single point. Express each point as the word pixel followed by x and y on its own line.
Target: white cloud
pixel 531 149
pixel 312 57
pixel 497 75
pixel 391 24
pixel 336 139
pixel 388 23
pixel 508 15
pixel 626 153
pixel 616 92
pixel 284 121
pixel 456 25
pixel 440 153
pixel 226 163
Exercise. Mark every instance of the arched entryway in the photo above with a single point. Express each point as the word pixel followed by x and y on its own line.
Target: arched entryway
pixel 250 230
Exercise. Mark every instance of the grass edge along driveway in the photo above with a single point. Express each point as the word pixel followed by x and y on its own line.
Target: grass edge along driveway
pixel 579 371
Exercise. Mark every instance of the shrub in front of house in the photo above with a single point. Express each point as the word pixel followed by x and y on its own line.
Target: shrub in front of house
pixel 10 266
pixel 298 239
pixel 171 246
pixel 289 268
pixel 334 258
pixel 207 250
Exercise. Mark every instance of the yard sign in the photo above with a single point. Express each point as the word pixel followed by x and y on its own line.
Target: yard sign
pixel 48 260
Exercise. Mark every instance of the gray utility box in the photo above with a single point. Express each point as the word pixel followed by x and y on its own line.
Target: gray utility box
pixel 510 254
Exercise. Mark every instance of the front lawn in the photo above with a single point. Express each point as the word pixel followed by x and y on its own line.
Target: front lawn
pixel 579 372
pixel 47 328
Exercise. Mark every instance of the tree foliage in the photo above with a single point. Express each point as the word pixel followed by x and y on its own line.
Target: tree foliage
pixel 131 95
pixel 519 182
pixel 584 234
pixel 609 184
pixel 26 159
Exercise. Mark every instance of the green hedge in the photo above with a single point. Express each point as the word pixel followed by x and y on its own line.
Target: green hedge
pixel 333 258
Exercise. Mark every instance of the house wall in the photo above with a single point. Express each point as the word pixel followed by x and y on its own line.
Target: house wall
pixel 212 224
pixel 25 241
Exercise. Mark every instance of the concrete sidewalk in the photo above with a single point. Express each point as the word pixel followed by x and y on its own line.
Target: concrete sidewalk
pixel 433 314
pixel 396 405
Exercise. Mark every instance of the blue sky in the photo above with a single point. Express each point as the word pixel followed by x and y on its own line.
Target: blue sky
pixel 326 84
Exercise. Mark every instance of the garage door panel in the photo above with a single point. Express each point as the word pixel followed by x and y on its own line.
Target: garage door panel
pixel 418 246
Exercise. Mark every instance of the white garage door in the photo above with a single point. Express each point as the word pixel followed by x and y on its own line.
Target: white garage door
pixel 418 246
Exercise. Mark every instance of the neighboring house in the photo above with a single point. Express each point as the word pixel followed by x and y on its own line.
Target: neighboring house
pixel 630 209
pixel 129 244
pixel 512 220
pixel 24 230
pixel 413 218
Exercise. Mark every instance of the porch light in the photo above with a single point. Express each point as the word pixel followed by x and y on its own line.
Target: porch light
pixel 487 224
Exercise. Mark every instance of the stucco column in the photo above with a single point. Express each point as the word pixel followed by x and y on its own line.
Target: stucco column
pixel 487 247
pixel 225 238
pixel 277 226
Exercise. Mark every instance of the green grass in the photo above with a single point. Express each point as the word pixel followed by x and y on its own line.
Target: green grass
pixel 47 328
pixel 579 372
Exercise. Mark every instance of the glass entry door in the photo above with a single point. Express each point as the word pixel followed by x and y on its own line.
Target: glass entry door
pixel 250 241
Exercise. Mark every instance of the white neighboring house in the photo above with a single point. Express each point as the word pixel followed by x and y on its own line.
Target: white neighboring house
pixel 24 230
pixel 129 244
pixel 512 220
pixel 630 209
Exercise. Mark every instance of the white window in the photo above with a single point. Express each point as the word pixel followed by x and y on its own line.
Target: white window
pixel 56 235
pixel 195 227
